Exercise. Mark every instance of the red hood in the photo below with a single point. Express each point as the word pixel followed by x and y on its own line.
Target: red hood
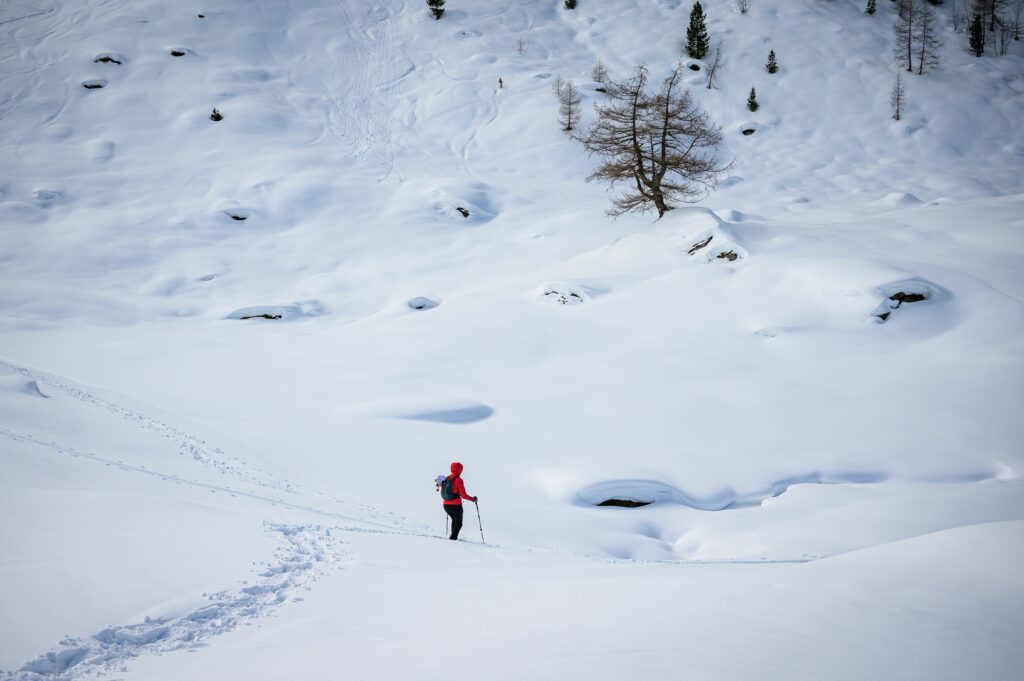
pixel 456 468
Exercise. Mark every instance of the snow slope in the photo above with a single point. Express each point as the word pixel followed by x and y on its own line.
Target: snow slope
pixel 234 354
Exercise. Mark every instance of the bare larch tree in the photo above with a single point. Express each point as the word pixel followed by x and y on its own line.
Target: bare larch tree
pixel 664 146
pixel 715 65
pixel 927 38
pixel 898 97
pixel 569 106
pixel 916 35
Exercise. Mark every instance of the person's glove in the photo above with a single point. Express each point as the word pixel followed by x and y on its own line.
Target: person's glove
pixel 474 499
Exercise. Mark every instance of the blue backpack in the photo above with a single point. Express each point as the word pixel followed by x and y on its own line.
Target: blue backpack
pixel 447 493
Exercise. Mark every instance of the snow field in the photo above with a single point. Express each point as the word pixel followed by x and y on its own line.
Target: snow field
pixel 379 261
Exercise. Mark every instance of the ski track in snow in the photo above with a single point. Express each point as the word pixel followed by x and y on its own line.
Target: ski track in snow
pixel 204 454
pixel 356 113
pixel 306 554
pixel 190 445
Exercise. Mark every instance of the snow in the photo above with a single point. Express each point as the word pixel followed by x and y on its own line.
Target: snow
pixel 234 354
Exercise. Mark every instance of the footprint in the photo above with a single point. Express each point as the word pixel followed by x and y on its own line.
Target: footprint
pixel 99 151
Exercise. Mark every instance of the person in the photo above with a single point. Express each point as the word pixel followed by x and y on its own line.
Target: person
pixel 455 488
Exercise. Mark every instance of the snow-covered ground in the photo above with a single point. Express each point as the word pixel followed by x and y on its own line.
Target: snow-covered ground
pixel 235 354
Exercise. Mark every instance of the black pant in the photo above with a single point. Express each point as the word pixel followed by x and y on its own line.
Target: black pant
pixel 455 511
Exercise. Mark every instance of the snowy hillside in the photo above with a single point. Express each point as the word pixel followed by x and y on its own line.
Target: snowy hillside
pixel 235 353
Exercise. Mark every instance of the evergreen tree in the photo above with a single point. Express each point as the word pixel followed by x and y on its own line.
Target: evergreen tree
pixel 570 4
pixel 599 73
pixel 436 8
pixel 870 8
pixel 752 100
pixel 697 41
pixel 977 36
pixel 771 65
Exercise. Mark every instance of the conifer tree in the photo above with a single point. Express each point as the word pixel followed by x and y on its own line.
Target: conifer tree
pixel 752 100
pixel 599 73
pixel 697 41
pixel 570 4
pixel 436 8
pixel 771 65
pixel 977 36
pixel 870 9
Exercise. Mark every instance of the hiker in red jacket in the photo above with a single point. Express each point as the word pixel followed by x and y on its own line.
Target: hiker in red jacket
pixel 453 491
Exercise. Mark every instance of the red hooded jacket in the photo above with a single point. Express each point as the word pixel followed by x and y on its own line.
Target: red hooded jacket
pixel 458 487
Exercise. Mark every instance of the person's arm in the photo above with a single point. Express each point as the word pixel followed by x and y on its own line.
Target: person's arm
pixel 460 488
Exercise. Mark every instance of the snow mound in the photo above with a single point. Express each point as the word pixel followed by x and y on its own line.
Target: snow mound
pixel 560 293
pixel 472 203
pixel 422 303
pixel 309 308
pixel 898 294
pixel 899 200
pixel 716 245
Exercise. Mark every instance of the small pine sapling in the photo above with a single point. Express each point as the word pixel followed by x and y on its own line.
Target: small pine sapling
pixel 752 104
pixel 772 66
pixel 216 115
pixel 436 8
pixel 977 37
pixel 870 9
pixel 697 41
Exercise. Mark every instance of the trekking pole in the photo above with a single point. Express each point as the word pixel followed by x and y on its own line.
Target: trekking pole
pixel 479 522
pixel 446 533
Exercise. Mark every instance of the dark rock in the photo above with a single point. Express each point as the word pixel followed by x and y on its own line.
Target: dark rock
pixel 465 213
pixel 94 84
pixel 694 67
pixel 262 316
pixel 748 131
pixel 699 245
pixel 177 53
pixel 625 503
pixel 900 297
pixel 105 59
pixel 727 255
